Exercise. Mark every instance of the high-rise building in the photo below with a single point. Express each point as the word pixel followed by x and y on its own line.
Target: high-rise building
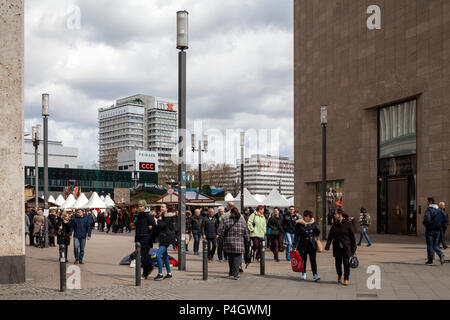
pixel 139 122
pixel 388 108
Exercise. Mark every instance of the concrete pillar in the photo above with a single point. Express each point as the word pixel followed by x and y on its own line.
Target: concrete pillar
pixel 12 219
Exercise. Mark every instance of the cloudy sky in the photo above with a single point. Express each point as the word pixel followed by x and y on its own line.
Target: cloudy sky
pixel 86 54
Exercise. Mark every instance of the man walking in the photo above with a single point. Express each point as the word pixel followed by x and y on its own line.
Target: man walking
pixel 196 227
pixel 444 229
pixel 289 221
pixel 220 217
pixel 144 227
pixel 364 222
pixel 209 231
pixel 80 229
pixel 31 215
pixel 434 221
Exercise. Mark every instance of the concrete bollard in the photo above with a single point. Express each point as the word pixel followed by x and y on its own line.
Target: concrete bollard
pixel 262 266
pixel 62 268
pixel 138 264
pixel 205 259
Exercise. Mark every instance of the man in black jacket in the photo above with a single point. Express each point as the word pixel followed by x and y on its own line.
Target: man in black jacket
pixel 144 227
pixel 289 222
pixel 434 220
pixel 196 222
pixel 209 231
pixel 31 215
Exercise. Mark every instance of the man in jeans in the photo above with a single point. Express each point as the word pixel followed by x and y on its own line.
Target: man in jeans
pixel 80 228
pixel 289 221
pixel 434 220
pixel 444 230
pixel 196 222
pixel 209 231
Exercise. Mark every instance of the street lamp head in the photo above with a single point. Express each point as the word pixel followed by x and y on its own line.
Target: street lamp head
pixel 182 30
pixel 45 105
pixel 33 133
pixel 193 142
pixel 242 139
pixel 38 132
pixel 324 114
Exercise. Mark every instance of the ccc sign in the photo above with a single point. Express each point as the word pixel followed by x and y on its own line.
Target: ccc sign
pixel 146 166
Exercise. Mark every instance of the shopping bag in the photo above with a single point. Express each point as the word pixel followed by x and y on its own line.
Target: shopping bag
pixel 319 246
pixel 297 263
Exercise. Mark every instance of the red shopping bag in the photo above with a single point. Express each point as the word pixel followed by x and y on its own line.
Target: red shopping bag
pixel 297 263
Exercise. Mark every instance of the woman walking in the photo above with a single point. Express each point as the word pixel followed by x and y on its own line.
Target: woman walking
pixel 276 230
pixel 63 231
pixel 38 223
pixel 52 228
pixel 258 229
pixel 306 233
pixel 364 222
pixel 166 230
pixel 234 233
pixel 344 244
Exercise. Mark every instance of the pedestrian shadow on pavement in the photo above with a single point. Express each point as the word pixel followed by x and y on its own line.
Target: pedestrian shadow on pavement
pixel 293 278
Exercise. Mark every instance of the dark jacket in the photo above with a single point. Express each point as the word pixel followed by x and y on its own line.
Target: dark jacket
pixel 289 222
pixel 343 239
pixel 276 226
pixel 31 215
pixel 196 224
pixel 209 227
pixel 80 226
pixel 64 233
pixel 434 219
pixel 143 234
pixel 305 236
pixel 166 230
pixel 235 235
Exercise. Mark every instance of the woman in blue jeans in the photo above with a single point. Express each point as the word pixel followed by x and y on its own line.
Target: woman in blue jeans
pixel 166 238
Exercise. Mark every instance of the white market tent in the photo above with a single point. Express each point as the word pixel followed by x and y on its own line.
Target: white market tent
pixel 51 199
pixel 102 198
pixel 109 202
pixel 94 203
pixel 275 199
pixel 291 201
pixel 69 202
pixel 60 200
pixel 81 201
pixel 259 197
pixel 249 200
pixel 229 197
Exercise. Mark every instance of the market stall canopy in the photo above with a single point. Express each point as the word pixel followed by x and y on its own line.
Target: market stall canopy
pixel 291 201
pixel 94 203
pixel 51 199
pixel 60 200
pixel 192 198
pixel 30 203
pixel 102 198
pixel 109 202
pixel 249 200
pixel 69 202
pixel 259 197
pixel 229 197
pixel 81 201
pixel 275 199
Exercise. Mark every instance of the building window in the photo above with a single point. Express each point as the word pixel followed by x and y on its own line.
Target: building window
pixel 397 130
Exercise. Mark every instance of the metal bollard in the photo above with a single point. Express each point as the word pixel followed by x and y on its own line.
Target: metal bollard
pixel 138 264
pixel 62 268
pixel 262 266
pixel 205 259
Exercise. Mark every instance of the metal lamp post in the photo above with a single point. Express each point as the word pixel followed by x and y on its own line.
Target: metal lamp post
pixel 36 133
pixel 324 121
pixel 200 149
pixel 46 114
pixel 182 45
pixel 242 171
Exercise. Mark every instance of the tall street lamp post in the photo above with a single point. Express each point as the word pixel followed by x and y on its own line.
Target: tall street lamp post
pixel 242 171
pixel 182 45
pixel 46 114
pixel 36 135
pixel 324 121
pixel 200 150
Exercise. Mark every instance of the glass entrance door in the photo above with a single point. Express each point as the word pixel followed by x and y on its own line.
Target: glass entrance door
pixel 397 205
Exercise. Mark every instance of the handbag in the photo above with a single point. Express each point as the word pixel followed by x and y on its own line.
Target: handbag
pixel 354 262
pixel 297 263
pixel 319 246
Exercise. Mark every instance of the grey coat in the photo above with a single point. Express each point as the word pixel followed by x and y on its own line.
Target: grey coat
pixel 236 235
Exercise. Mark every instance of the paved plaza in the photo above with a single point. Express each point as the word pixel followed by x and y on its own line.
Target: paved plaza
pixel 401 260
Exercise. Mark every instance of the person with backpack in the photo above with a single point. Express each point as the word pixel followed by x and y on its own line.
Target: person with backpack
pixel 196 223
pixel 258 229
pixel 289 222
pixel 306 234
pixel 434 221
pixel 235 236
pixel 344 244
pixel 166 230
pixel 209 232
pixel 364 222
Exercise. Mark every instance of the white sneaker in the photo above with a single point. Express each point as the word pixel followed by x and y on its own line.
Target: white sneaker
pixel 133 264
